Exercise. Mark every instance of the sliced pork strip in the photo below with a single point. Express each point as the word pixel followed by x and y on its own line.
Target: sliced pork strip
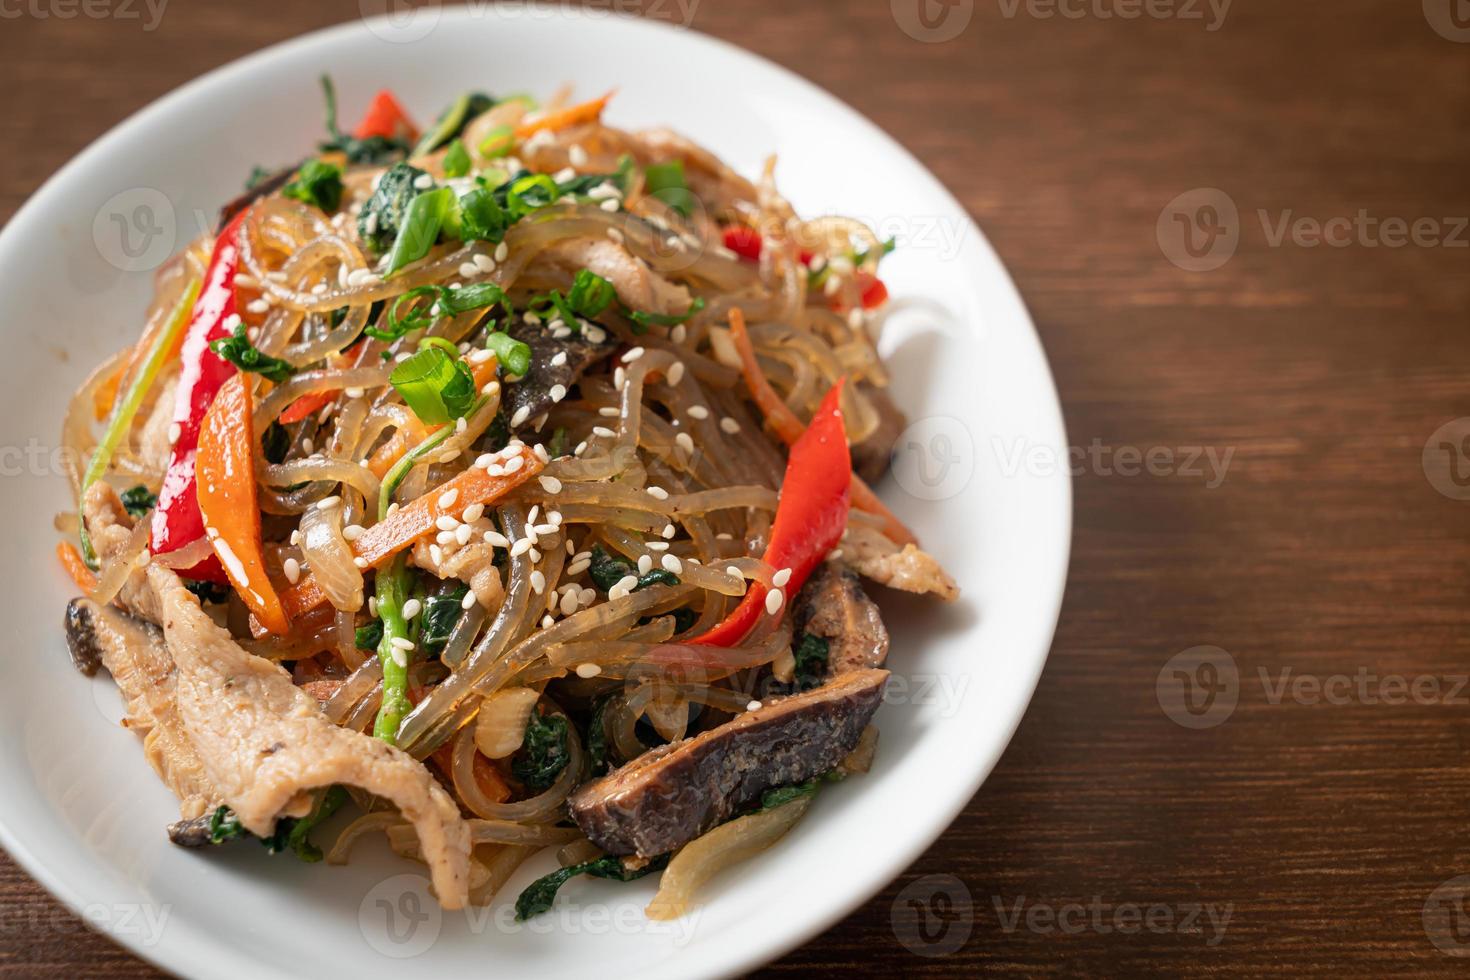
pixel 135 655
pixel 667 797
pixel 910 569
pixel 473 564
pixel 265 742
pixel 110 525
pixel 832 605
pixel 638 286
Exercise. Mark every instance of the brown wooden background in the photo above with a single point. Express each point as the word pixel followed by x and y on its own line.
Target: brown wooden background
pixel 1326 550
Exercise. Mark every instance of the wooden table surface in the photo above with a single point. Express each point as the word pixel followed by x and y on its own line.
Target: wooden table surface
pixel 1250 750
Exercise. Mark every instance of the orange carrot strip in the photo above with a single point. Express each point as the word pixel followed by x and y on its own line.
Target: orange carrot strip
pixel 571 116
pixel 71 560
pixel 106 393
pixel 225 471
pixel 307 405
pixel 784 422
pixel 417 519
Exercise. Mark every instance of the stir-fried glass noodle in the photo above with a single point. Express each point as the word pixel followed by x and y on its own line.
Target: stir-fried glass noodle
pixel 504 486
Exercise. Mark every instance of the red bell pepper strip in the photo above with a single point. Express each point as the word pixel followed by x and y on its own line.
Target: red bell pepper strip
pixel 744 241
pixel 810 518
pixel 386 118
pixel 176 520
pixel 871 291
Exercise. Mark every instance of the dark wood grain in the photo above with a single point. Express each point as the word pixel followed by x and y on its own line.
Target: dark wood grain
pixel 1323 828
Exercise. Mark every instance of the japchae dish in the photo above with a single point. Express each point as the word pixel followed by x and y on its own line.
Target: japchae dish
pixel 504 485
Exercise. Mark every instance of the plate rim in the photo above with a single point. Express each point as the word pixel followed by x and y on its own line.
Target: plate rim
pixel 189 954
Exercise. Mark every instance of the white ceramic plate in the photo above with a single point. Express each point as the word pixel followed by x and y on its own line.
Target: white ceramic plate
pixel 976 477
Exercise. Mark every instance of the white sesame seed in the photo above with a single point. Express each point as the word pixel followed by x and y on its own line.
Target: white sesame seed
pixel 534 554
pixel 781 578
pixel 402 643
pixel 399 657
pixel 468 602
pixel 577 155
pixel 657 545
pixel 448 498
pixel 467 269
pixel 519 418
pixel 604 431
pixel 729 425
pixel 627 582
pixel 292 568
pixel 578 567
pixel 632 355
pixel 558 392
pixel 559 358
pixel 462 534
pixel 774 598
pixel 412 608
pixel 496 540
pixel 611 204
pixel 678 334
pixel 676 373
pixel 753 706
pixel 295 537
pixel 484 262
pixel 698 412
pixel 353 392
pixel 360 562
pixel 588 671
pixel 352 532
pixel 685 442
pixel 538 581
pixel 423 182
pixel 672 563
pixel 619 377
pixel 174 431
pixel 373 606
pixel 436 554
pixel 834 554
pixel 446 538
pixel 327 503
pixel 473 513
pixel 609 411
pixel 733 572
pixel 568 604
pixel 668 532
pixel 461 424
pixel 502 252
pixel 261 305
pixel 645 564
pixel 658 493
pixel 446 522
pixel 581 448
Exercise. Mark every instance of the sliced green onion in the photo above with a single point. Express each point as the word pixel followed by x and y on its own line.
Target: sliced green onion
pixel 438 386
pixel 127 406
pixel 590 294
pixel 452 121
pixel 665 181
pixel 530 193
pixel 644 320
pixel 513 355
pixel 456 160
pixel 392 587
pixel 421 224
pixel 497 143
pixel 473 297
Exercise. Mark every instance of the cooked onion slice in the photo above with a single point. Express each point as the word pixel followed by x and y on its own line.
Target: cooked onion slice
pixel 330 557
pixel 501 725
pixel 726 845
